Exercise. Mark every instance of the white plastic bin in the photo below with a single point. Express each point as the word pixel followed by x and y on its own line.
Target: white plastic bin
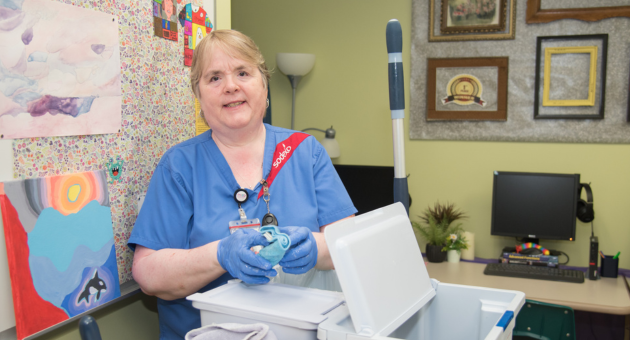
pixel 387 291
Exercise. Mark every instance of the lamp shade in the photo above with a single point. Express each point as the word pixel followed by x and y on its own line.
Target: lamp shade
pixel 332 147
pixel 295 64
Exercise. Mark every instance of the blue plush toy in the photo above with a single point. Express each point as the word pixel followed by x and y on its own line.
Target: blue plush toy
pixel 279 243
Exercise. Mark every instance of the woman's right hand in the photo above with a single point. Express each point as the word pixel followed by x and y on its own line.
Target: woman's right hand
pixel 236 257
pixel 302 255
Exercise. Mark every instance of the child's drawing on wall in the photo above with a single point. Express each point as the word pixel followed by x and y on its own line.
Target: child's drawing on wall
pixel 196 25
pixel 165 19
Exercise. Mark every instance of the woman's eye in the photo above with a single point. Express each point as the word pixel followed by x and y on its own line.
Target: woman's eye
pixel 242 73
pixel 215 78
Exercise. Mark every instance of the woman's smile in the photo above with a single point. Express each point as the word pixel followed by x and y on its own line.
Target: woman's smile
pixel 234 104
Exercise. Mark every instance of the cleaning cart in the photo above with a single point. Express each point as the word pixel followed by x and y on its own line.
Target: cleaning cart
pixel 387 293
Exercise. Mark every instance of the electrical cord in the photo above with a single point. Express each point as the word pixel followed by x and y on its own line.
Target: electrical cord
pixel 565 254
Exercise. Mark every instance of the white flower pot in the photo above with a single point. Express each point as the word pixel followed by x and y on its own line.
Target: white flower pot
pixel 453 256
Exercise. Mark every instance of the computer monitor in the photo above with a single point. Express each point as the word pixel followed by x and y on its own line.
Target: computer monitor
pixel 535 206
pixel 369 187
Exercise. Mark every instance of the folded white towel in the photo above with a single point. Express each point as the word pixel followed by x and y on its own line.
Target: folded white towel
pixel 232 331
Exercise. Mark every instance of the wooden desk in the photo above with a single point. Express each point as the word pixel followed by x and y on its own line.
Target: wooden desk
pixel 606 295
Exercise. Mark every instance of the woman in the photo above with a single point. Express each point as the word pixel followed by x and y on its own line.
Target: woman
pixel 181 238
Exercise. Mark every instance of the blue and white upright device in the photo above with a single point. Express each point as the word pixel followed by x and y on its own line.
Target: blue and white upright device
pixel 397 106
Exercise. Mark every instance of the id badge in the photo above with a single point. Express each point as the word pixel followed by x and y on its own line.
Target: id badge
pixel 254 223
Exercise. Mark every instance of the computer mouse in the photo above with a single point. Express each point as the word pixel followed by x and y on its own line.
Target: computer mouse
pixel 531 251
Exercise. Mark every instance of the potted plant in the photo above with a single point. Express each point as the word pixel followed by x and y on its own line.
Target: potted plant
pixel 453 248
pixel 436 226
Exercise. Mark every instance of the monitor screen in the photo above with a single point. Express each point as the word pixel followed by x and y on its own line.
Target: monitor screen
pixel 369 187
pixel 535 205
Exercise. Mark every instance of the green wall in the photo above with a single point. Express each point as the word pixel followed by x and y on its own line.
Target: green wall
pixel 348 88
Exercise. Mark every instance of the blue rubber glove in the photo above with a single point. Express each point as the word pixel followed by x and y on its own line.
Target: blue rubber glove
pixel 235 256
pixel 302 255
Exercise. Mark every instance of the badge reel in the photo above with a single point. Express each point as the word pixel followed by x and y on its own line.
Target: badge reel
pixel 241 196
pixel 269 218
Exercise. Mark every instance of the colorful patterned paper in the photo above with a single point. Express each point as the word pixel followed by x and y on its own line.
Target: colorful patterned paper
pixel 196 25
pixel 165 19
pixel 200 122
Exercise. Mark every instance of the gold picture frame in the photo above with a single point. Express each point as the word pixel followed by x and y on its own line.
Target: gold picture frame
pixel 510 26
pixel 592 80
pixel 568 109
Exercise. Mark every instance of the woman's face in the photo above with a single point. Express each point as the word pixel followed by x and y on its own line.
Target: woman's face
pixel 168 8
pixel 232 93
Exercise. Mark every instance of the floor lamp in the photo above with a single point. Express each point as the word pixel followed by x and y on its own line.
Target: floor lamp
pixel 295 66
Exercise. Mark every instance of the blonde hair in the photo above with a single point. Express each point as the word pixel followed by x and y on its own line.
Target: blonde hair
pixel 236 45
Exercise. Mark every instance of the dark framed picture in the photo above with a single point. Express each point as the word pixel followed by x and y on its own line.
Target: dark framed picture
pixel 472 16
pixel 570 77
pixel 465 20
pixel 536 15
pixel 471 89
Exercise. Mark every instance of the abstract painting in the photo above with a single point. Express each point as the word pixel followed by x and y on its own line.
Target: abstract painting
pixel 60 247
pixel 59 70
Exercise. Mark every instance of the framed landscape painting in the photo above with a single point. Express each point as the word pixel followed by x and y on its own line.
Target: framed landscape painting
pixel 471 16
pixel 467 20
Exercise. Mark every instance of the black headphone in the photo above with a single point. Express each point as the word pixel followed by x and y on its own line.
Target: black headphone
pixel 585 212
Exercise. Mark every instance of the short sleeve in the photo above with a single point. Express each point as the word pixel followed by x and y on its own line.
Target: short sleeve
pixel 165 217
pixel 333 201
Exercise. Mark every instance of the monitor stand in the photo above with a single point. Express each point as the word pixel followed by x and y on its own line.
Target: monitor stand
pixel 528 239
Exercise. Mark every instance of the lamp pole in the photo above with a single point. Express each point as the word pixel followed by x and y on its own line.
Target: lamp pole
pixel 295 80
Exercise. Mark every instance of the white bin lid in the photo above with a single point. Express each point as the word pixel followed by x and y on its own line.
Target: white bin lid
pixel 298 307
pixel 380 269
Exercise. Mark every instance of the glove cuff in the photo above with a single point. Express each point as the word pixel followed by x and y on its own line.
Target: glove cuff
pixel 221 255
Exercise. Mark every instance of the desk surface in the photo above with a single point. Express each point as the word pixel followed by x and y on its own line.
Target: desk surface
pixel 607 295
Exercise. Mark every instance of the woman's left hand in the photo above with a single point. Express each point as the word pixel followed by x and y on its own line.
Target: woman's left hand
pixel 302 255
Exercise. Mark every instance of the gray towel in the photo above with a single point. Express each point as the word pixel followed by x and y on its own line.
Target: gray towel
pixel 232 331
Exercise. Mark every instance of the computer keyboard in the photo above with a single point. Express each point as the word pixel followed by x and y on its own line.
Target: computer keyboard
pixel 534 272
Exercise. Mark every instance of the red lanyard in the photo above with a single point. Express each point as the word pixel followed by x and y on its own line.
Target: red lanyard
pixel 284 151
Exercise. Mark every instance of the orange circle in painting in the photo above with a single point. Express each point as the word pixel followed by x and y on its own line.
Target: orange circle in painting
pixel 71 193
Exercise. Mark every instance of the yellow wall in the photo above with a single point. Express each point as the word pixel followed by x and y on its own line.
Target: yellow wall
pixel 223 12
pixel 348 88
pixel 132 318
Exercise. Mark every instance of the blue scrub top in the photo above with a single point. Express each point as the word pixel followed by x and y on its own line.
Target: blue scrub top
pixel 190 202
